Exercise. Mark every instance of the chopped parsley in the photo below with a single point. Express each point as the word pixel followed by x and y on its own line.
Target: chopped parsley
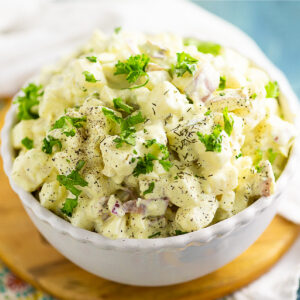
pixel 166 164
pixel 272 89
pixel 149 143
pixel 208 112
pixel 239 155
pixel 89 77
pixel 185 63
pixel 150 189
pixel 92 59
pixel 271 155
pixel 154 235
pixel 204 47
pixel 110 114
pixel 222 83
pixel 31 98
pixel 213 141
pixel 134 67
pixel 27 143
pixel 179 232
pixel 120 105
pixel 117 29
pixel 68 124
pixel 70 182
pixel 228 122
pixel 144 165
pixel 127 134
pixel 49 142
pixel 253 96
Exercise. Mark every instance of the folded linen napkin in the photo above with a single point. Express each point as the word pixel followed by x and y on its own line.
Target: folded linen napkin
pixel 39 32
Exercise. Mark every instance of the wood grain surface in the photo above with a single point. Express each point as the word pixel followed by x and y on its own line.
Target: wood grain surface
pixel 29 255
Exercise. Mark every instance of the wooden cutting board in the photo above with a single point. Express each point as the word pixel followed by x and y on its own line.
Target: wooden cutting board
pixel 29 255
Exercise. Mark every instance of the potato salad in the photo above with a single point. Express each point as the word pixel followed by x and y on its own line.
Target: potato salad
pixel 149 136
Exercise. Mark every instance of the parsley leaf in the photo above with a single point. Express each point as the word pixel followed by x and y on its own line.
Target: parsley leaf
pixel 149 143
pixel 150 189
pixel 253 96
pixel 109 114
pixel 271 155
pixel 27 143
pixel 272 89
pixel 239 155
pixel 144 165
pixel 89 77
pixel 68 124
pixel 31 97
pixel 120 105
pixel 92 59
pixel 69 205
pixel 134 67
pixel 204 47
pixel 126 136
pixel 166 164
pixel 185 63
pixel 213 141
pixel 70 181
pixel 49 142
pixel 222 83
pixel 179 232
pixel 258 159
pixel 208 112
pixel 117 29
pixel 132 121
pixel 228 122
pixel 154 235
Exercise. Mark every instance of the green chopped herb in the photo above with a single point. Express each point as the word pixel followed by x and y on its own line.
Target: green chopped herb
pixel 228 121
pixel 110 114
pixel 69 205
pixel 70 182
pixel 126 136
pixel 179 232
pixel 239 155
pixel 92 59
pixel 190 100
pixel 258 159
pixel 222 83
pixel 120 105
pixel 49 142
pixel 271 155
pixel 134 67
pixel 68 124
pixel 27 143
pixel 272 89
pixel 31 98
pixel 213 141
pixel 132 120
pixel 154 235
pixel 89 77
pixel 117 29
pixel 150 189
pixel 166 164
pixel 208 112
pixel 175 177
pixel 134 151
pixel 185 63
pixel 204 47
pixel 144 165
pixel 222 94
pixel 133 159
pixel 253 96
pixel 149 143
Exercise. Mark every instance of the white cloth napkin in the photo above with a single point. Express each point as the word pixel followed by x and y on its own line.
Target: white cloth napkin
pixel 34 33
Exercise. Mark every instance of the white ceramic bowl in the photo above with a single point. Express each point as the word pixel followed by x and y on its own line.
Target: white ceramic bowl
pixel 162 261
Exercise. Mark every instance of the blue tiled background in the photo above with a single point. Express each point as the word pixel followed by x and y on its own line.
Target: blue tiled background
pixel 274 25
